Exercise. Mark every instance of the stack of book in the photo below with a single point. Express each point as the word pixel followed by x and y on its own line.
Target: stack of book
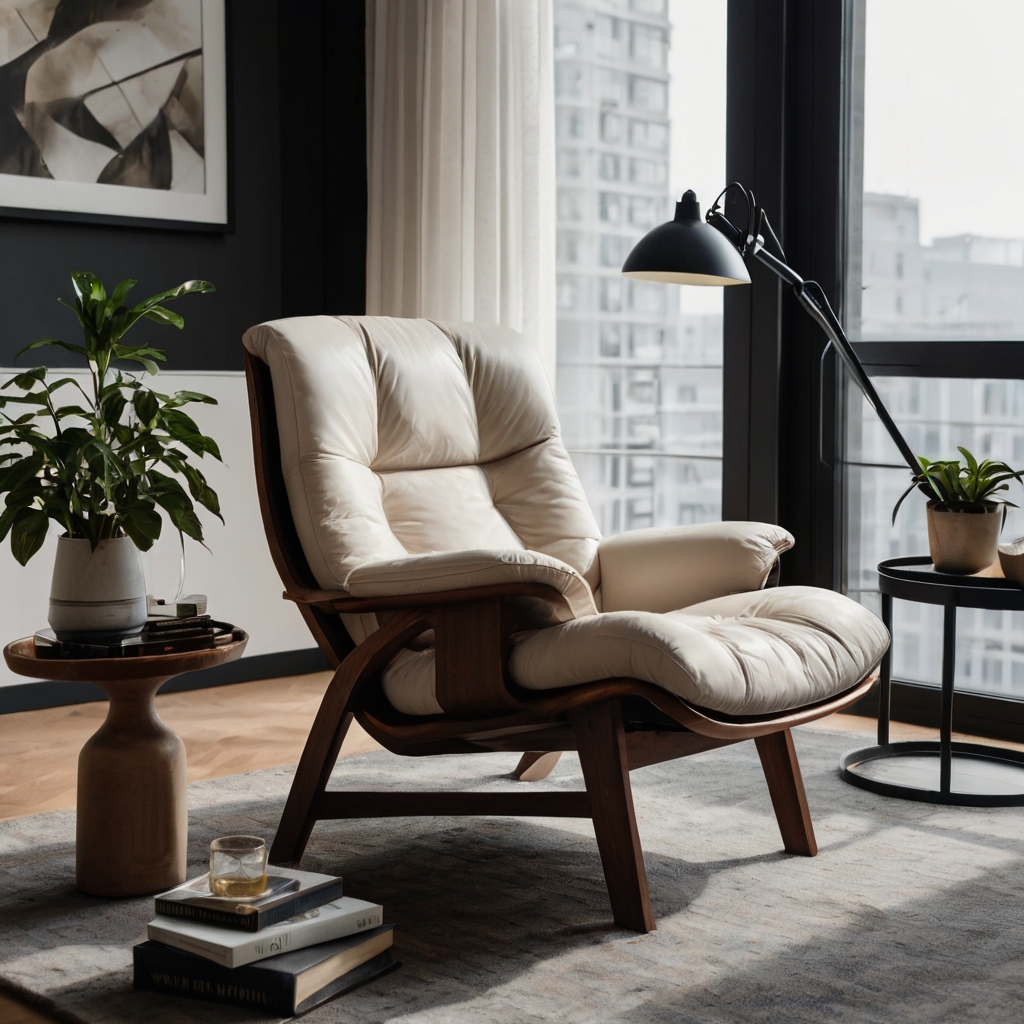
pixel 160 635
pixel 293 947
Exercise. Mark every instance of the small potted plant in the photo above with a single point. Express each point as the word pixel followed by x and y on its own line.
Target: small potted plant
pixel 964 514
pixel 102 465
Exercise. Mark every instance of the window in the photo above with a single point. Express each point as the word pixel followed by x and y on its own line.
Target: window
pixel 648 172
pixel 608 168
pixel 649 95
pixel 614 250
pixel 938 235
pixel 649 46
pixel 611 207
pixel 639 364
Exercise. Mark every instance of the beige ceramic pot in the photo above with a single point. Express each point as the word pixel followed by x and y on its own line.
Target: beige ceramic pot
pixel 101 591
pixel 964 540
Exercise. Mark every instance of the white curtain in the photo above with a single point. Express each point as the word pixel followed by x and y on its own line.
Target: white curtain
pixel 460 151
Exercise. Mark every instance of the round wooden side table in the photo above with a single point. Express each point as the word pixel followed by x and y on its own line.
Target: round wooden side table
pixel 943 771
pixel 132 822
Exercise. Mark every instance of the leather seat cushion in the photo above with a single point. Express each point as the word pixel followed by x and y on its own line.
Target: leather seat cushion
pixel 756 653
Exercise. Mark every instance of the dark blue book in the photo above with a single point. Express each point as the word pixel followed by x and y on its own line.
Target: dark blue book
pixel 193 901
pixel 286 984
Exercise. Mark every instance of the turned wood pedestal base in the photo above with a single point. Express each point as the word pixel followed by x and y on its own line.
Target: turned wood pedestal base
pixel 132 823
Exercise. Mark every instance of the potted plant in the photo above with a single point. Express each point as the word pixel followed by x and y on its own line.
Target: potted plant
pixel 964 514
pixel 102 465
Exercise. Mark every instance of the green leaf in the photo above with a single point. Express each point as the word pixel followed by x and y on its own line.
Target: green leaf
pixel 167 491
pixel 28 533
pixel 7 519
pixel 201 490
pixel 178 423
pixel 15 475
pixel 186 288
pixel 120 293
pixel 164 316
pixel 187 522
pixel 137 351
pixel 88 287
pixel 52 343
pixel 146 407
pixel 142 523
pixel 113 407
pixel 972 463
pixel 27 380
pixel 185 397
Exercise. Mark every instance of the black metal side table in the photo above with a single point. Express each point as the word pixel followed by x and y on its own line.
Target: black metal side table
pixel 941 772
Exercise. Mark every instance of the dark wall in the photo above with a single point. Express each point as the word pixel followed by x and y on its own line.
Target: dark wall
pixel 297 187
pixel 323 154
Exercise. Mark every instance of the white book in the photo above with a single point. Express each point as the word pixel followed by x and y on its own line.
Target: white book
pixel 228 948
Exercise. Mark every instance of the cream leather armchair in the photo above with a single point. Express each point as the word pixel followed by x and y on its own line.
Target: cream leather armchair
pixel 425 516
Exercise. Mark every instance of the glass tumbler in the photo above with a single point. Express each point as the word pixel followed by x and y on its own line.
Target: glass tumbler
pixel 238 866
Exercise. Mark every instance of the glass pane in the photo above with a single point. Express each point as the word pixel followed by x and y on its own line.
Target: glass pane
pixel 937 230
pixel 639 365
pixel 935 415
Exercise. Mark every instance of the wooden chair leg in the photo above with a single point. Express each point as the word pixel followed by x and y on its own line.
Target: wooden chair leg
pixel 601 742
pixel 328 733
pixel 782 773
pixel 314 769
pixel 535 765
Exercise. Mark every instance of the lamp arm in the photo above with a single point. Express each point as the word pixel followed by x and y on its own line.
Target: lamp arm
pixel 813 299
pixel 818 307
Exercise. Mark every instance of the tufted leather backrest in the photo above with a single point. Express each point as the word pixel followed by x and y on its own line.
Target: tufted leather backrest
pixel 403 437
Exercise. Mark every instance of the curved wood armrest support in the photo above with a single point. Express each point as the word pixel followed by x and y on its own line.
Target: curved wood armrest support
pixel 342 601
pixel 472 630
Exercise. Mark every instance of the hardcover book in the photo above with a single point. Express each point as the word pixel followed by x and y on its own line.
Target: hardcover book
pixel 286 984
pixel 193 901
pixel 157 637
pixel 234 949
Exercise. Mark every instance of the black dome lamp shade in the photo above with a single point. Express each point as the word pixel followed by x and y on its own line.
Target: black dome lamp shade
pixel 688 250
pixel 685 250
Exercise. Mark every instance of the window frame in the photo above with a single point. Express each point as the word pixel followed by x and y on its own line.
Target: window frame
pixel 794 132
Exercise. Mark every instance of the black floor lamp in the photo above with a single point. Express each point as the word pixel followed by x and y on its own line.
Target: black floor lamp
pixel 686 250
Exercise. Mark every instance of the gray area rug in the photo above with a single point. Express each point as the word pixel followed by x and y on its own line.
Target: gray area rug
pixel 909 913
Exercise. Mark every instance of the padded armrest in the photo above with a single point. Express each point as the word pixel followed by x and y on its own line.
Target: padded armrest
pixel 664 569
pixel 458 570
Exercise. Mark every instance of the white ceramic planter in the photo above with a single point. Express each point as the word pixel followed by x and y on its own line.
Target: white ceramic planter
pixel 964 541
pixel 101 591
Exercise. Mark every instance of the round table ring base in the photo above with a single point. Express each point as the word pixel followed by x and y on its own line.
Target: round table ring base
pixel 981 776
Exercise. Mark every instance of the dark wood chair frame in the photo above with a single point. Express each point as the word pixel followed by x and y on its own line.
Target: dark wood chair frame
pixel 615 725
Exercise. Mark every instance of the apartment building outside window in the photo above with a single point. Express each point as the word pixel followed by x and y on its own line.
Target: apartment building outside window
pixel 639 378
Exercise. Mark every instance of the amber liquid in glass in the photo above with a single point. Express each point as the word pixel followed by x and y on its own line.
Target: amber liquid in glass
pixel 235 887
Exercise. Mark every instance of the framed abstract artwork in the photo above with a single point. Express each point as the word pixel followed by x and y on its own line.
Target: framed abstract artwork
pixel 114 110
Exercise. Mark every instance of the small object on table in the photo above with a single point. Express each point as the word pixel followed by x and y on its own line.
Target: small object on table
pixel 192 604
pixel 238 866
pixel 942 771
pixel 132 821
pixel 1011 558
